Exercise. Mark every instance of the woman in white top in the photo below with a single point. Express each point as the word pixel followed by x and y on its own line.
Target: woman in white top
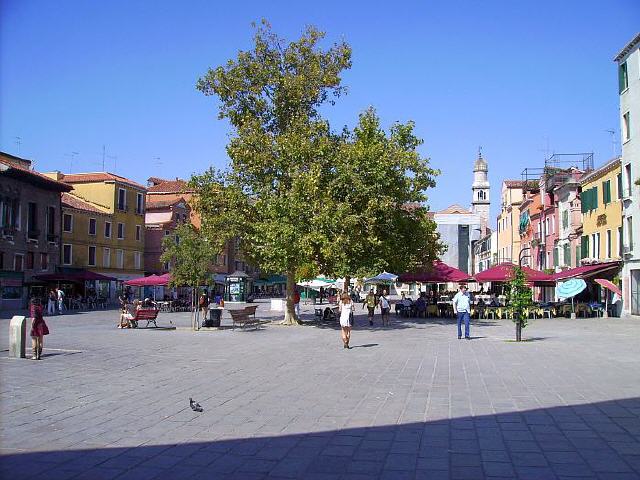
pixel 346 310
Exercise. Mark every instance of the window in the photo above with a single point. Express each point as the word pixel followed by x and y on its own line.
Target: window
pixel 120 231
pixel 606 192
pixel 67 223
pixel 177 240
pixel 122 199
pixel 106 257
pixel 577 255
pixel 92 256
pixel 597 249
pixel 619 241
pixel 120 258
pixel 565 219
pixel 139 203
pixel 566 255
pixel 630 233
pixel 51 223
pixel 18 262
pixel 626 127
pixel 619 184
pixel 627 172
pixel 167 232
pixel 67 254
pixel 594 252
pixel 547 229
pixel 608 243
pixel 32 221
pixel 138 232
pixel 92 226
pixel 107 229
pixel 44 262
pixel 555 256
pixel 623 77
pixel 166 266
pixel 10 213
pixel 553 224
pixel 29 261
pixel 136 260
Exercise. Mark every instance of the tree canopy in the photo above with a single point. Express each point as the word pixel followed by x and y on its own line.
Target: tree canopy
pixel 301 198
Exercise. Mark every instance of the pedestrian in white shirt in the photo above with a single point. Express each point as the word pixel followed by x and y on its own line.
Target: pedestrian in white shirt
pixel 462 307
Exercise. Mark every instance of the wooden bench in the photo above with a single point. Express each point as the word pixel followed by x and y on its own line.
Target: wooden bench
pixel 148 314
pixel 245 317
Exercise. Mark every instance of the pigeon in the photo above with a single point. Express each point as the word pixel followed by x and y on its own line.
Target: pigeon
pixel 195 406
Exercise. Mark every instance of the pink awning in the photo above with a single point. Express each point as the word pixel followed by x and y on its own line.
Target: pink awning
pixel 587 270
pixel 610 285
pixel 150 281
pixel 504 272
pixel 440 273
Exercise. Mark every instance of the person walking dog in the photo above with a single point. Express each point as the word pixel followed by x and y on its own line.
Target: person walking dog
pixel 346 310
pixel 38 328
pixel 462 307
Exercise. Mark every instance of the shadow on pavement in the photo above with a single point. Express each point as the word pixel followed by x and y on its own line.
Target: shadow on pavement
pixel 598 440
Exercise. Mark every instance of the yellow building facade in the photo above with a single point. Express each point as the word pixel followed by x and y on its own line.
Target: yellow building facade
pixel 103 225
pixel 508 221
pixel 601 199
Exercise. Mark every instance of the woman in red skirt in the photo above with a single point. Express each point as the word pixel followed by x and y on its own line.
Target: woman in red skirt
pixel 38 328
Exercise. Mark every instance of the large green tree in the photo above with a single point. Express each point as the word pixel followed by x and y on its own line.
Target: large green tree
pixel 280 149
pixel 378 220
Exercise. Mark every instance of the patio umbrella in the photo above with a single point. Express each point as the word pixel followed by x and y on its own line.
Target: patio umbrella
pixel 570 289
pixel 384 277
pixel 610 286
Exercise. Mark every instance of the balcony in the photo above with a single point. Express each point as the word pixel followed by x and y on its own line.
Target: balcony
pixel 627 194
pixel 33 235
pixel 627 251
pixel 8 231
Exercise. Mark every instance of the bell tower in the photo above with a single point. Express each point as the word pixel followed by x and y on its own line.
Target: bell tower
pixel 480 202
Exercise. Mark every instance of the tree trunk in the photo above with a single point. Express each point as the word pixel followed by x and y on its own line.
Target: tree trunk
pixel 347 284
pixel 290 317
pixel 518 329
pixel 194 310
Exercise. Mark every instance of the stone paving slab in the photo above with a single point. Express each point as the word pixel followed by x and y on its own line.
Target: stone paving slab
pixel 407 401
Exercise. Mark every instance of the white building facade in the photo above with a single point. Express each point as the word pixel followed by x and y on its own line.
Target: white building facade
pixel 628 61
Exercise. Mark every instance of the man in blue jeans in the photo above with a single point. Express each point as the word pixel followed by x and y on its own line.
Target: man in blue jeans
pixel 462 307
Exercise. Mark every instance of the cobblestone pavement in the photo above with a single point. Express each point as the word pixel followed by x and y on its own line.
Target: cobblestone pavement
pixel 408 401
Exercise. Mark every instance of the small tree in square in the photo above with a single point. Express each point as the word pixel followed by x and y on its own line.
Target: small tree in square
pixel 189 256
pixel 520 300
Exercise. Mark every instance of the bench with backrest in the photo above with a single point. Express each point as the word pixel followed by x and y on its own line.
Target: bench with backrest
pixel 148 314
pixel 245 317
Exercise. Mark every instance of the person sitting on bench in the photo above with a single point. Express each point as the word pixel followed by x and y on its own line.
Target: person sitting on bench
pixel 127 315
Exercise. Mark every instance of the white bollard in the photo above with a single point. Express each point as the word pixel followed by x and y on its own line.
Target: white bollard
pixel 18 336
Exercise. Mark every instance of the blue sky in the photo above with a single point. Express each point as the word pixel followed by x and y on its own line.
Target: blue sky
pixel 512 76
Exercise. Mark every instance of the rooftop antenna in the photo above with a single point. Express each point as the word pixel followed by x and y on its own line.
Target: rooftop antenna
pixel 71 156
pixel 613 140
pixel 103 155
pixel 18 143
pixel 157 164
pixel 115 162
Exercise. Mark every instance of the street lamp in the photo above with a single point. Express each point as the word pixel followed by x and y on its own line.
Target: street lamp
pixel 522 257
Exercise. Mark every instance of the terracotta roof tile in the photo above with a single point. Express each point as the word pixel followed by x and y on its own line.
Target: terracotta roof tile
pixel 455 209
pixel 71 201
pixel 169 186
pixel 95 177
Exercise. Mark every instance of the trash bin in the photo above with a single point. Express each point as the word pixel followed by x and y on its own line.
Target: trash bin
pixel 214 317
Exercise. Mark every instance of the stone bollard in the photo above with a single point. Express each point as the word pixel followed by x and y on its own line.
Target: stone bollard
pixel 18 336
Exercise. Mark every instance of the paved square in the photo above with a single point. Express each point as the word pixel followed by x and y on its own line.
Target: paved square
pixel 408 401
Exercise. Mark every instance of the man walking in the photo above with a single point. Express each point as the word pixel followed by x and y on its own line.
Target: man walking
pixel 370 302
pixel 462 307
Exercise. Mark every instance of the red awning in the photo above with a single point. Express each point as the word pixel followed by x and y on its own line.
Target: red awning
pixel 150 281
pixel 440 273
pixel 587 271
pixel 504 272
pixel 610 285
pixel 79 276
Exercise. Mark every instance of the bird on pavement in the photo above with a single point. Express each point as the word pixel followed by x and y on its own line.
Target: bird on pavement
pixel 195 406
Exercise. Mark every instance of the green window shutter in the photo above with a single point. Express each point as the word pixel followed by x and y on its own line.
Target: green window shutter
pixel 595 197
pixel 622 77
pixel 567 254
pixel 555 256
pixel 583 201
pixel 608 191
pixel 577 255
pixel 619 178
pixel 565 219
pixel 584 244
pixel 604 193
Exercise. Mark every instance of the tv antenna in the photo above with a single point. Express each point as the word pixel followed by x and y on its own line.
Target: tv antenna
pixel 115 162
pixel 612 132
pixel 71 156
